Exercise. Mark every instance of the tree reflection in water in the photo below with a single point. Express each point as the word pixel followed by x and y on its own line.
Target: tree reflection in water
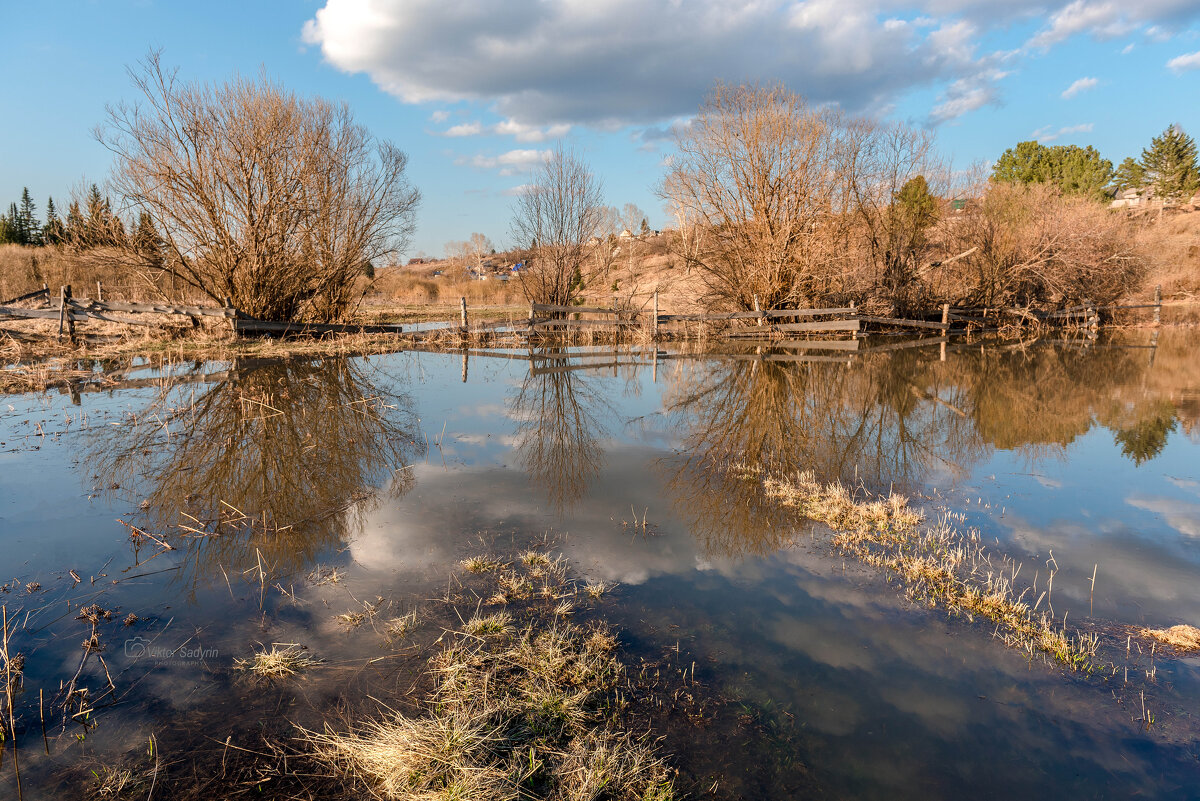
pixel 297 447
pixel 561 413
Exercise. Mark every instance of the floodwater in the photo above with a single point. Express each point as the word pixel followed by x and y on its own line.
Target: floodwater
pixel 268 478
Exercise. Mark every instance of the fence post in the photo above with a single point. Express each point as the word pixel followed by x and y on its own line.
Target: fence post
pixel 945 316
pixel 99 293
pixel 67 313
pixel 853 334
pixel 654 323
pixel 46 289
pixel 1158 304
pixel 759 320
pixel 232 317
pixel 62 310
pixel 462 310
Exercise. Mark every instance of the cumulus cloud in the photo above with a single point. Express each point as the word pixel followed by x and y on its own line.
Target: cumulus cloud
pixel 1105 19
pixel 541 63
pixel 961 97
pixel 542 66
pixel 1181 64
pixel 522 133
pixel 1049 134
pixel 514 162
pixel 1081 85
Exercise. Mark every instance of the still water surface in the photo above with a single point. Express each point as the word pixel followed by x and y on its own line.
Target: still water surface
pixel 1075 454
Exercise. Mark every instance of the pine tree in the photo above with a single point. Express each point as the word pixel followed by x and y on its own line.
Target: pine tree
pixel 1170 165
pixel 146 240
pixel 8 231
pixel 1074 170
pixel 76 228
pixel 1130 175
pixel 52 231
pixel 31 229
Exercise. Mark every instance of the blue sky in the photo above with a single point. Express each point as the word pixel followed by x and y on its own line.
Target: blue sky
pixel 474 92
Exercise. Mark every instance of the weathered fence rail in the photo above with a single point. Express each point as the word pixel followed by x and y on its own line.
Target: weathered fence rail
pixel 551 319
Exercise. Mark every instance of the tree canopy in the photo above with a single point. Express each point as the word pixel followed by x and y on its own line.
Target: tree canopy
pixel 1074 170
pixel 1169 165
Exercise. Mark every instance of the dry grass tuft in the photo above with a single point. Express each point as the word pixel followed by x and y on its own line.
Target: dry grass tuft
pixel 485 625
pixel 480 564
pixel 400 627
pixel 939 564
pixel 279 662
pixel 596 589
pixel 524 716
pixel 1186 638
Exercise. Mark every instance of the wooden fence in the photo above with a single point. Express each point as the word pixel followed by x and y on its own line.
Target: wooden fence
pixel 552 320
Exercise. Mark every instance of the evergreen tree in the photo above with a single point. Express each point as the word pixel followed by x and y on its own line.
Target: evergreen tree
pixel 1129 175
pixel 76 227
pixel 8 231
pixel 52 231
pixel 146 240
pixel 1170 165
pixel 30 227
pixel 1075 170
pixel 17 234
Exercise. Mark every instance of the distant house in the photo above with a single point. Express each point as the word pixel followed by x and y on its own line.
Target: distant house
pixel 1132 198
pixel 626 234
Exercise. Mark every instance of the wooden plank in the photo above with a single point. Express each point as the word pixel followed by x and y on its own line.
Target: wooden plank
pixel 249 326
pixel 751 315
pixel 916 343
pixel 583 324
pixel 28 296
pixel 581 309
pixel 37 314
pixel 818 344
pixel 819 325
pixel 153 308
pixel 902 323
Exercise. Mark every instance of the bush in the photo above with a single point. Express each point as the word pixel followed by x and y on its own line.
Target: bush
pixel 1036 247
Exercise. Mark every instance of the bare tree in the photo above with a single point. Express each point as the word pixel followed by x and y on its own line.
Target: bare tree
pixel 270 199
pixel 555 216
pixel 479 246
pixel 761 173
pixel 893 182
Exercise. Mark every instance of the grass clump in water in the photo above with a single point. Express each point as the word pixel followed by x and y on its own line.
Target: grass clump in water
pixel 400 627
pixel 1185 638
pixel 939 564
pixel 480 564
pixel 279 662
pixel 529 715
pixel 495 623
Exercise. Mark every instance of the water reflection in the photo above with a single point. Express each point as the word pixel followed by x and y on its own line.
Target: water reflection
pixel 880 421
pixel 561 413
pixel 274 464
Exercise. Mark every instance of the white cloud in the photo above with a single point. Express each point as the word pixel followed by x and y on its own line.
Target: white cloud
pixel 540 63
pixel 1081 85
pixel 961 97
pixel 439 116
pixel 1105 19
pixel 520 132
pixel 514 162
pixel 465 129
pixel 1048 134
pixel 542 66
pixel 1181 64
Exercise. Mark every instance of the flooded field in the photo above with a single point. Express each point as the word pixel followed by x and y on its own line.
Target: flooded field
pixel 161 528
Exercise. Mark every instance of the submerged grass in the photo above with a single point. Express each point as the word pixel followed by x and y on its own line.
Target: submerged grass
pixel 281 661
pixel 1185 638
pixel 514 711
pixel 938 563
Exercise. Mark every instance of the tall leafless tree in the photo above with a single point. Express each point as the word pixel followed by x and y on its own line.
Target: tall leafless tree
pixel 261 196
pixel 761 175
pixel 555 216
